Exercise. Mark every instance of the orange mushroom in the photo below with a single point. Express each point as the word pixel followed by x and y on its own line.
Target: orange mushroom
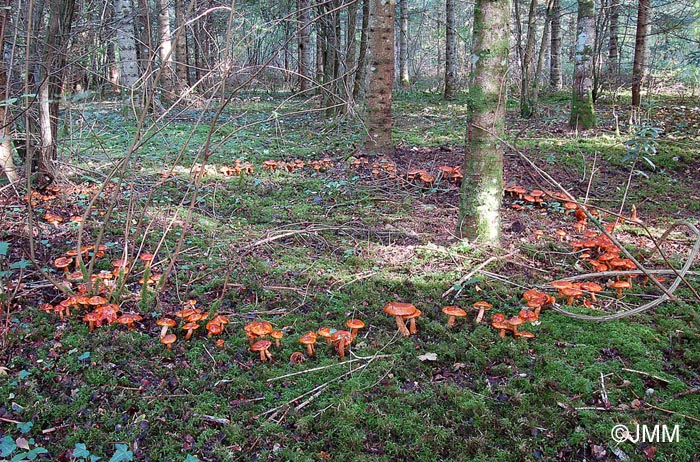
pixel 398 310
pixel 168 340
pixel 354 325
pixel 262 346
pixel 308 340
pixel 453 312
pixel 482 306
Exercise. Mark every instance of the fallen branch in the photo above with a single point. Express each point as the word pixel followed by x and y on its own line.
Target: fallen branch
pixel 478 268
pixel 314 369
pixel 646 374
pixel 212 419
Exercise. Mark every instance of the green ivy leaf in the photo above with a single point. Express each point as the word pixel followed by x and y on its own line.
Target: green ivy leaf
pixel 4 247
pixel 7 446
pixel 191 458
pixel 25 427
pixel 84 356
pixel 122 454
pixel 80 451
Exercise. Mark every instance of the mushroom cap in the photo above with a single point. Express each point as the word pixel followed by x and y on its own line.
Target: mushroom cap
pixel 185 312
pixel 194 317
pixel 501 325
pixel 260 328
pixel 526 334
pixel 571 292
pixel 591 286
pixel 92 316
pixel 399 309
pixel 75 276
pixel 325 332
pixel 128 318
pixel 341 335
pixel 621 284
pixel 276 334
pixel 146 257
pixel 220 319
pixel 62 262
pixel 166 322
pixel 498 317
pixel 355 324
pixel 308 339
pixel 168 339
pixel 561 284
pixel 482 304
pixel 452 310
pixel 515 321
pixel 527 315
pixel 214 328
pixel 97 300
pixel 191 326
pixel 260 345
pixel 533 293
pixel 415 314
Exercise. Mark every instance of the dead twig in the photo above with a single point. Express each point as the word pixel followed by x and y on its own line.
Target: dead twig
pixel 646 374
pixel 314 369
pixel 478 268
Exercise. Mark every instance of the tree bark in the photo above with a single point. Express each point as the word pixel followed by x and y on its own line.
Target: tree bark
pixel 360 74
pixel 166 49
pixel 555 75
pixel 482 188
pixel 527 63
pixel 582 113
pixel 304 44
pixel 404 78
pixel 128 62
pixel 613 47
pixel 350 54
pixel 450 50
pixel 641 51
pixel 181 61
pixel 7 163
pixel 381 81
pixel 57 39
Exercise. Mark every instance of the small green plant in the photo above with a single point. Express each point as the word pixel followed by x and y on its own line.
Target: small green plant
pixel 21 449
pixel 643 145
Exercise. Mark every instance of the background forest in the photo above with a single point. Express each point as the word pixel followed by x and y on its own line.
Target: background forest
pixel 193 193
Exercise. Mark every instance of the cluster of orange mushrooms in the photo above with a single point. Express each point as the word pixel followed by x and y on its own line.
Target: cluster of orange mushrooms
pixel 257 331
pixel 190 319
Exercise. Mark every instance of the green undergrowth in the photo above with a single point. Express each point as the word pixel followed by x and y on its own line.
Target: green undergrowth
pixel 304 250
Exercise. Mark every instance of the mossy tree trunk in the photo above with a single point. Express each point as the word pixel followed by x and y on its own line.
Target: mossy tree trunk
pixel 381 77
pixel 582 112
pixel 641 50
pixel 450 50
pixel 482 188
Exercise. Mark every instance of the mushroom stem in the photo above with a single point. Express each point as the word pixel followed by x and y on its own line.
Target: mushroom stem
pixel 480 315
pixel 163 331
pixel 263 356
pixel 189 334
pixel 451 321
pixel 619 292
pixel 412 327
pixel 268 355
pixel 341 346
pixel 402 327
pixel 309 349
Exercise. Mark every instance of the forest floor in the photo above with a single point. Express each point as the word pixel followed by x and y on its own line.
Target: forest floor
pixel 305 249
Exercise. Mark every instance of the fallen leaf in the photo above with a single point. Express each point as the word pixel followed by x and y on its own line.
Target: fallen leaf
pixel 428 357
pixel 22 443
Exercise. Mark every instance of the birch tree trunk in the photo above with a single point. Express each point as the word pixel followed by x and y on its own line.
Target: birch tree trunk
pixel 404 79
pixel 304 44
pixel 555 76
pixel 582 113
pixel 450 50
pixel 381 78
pixel 482 188
pixel 166 49
pixel 641 50
pixel 7 163
pixel 128 62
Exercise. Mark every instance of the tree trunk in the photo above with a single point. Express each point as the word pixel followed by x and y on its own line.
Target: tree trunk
pixel 381 80
pixel 166 49
pixel 181 67
pixel 641 50
pixel 404 79
pixel 450 50
pixel 613 50
pixel 527 63
pixel 482 188
pixel 358 86
pixel 7 163
pixel 350 54
pixel 128 62
pixel 304 44
pixel 534 92
pixel 555 75
pixel 582 113
pixel 57 39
